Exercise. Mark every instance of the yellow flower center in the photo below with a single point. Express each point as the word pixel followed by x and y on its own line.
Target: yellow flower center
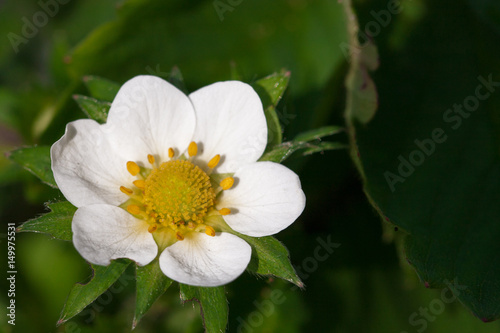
pixel 175 196
pixel 178 192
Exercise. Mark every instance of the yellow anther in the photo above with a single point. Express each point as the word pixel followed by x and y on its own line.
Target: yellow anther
pixel 214 161
pixel 151 159
pixel 126 190
pixel 152 228
pixel 191 225
pixel 134 209
pixel 192 149
pixel 210 231
pixel 171 152
pixel 139 183
pixel 179 236
pixel 227 183
pixel 133 168
pixel 225 211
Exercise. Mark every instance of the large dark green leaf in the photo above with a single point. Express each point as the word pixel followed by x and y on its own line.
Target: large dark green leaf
pixel 57 223
pixel 430 156
pixel 213 305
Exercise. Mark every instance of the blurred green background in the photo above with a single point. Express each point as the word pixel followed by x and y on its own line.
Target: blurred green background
pixel 363 286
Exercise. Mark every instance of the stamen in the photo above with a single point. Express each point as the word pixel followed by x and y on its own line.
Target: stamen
pixel 139 183
pixel 227 183
pixel 171 152
pixel 191 225
pixel 134 209
pixel 225 211
pixel 179 236
pixel 192 149
pixel 152 228
pixel 214 161
pixel 133 168
pixel 210 231
pixel 126 190
pixel 151 159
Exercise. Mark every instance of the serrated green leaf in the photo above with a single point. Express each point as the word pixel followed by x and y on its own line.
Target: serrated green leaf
pixel 270 257
pixel 37 161
pixel 318 133
pixel 57 223
pixel 151 284
pixel 82 295
pixel 93 108
pixel 213 305
pixel 100 88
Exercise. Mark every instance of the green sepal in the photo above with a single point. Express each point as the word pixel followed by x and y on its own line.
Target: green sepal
pixel 36 160
pixel 270 257
pixel 57 223
pixel 93 108
pixel 100 88
pixel 151 284
pixel 82 295
pixel 214 309
pixel 308 141
pixel 270 90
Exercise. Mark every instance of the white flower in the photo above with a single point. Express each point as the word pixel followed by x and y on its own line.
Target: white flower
pixel 168 173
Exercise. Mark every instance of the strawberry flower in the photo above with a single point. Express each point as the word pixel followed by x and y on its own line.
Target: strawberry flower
pixel 174 176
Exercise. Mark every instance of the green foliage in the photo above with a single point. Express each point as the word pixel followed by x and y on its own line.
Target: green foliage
pixel 435 173
pixel 57 223
pixel 93 108
pixel 100 88
pixel 83 294
pixel 270 89
pixel 270 257
pixel 37 161
pixel 213 305
pixel 309 142
pixel 151 284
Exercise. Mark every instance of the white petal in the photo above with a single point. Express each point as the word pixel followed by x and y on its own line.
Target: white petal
pixel 202 260
pixel 86 168
pixel 266 198
pixel 102 233
pixel 230 121
pixel 148 116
